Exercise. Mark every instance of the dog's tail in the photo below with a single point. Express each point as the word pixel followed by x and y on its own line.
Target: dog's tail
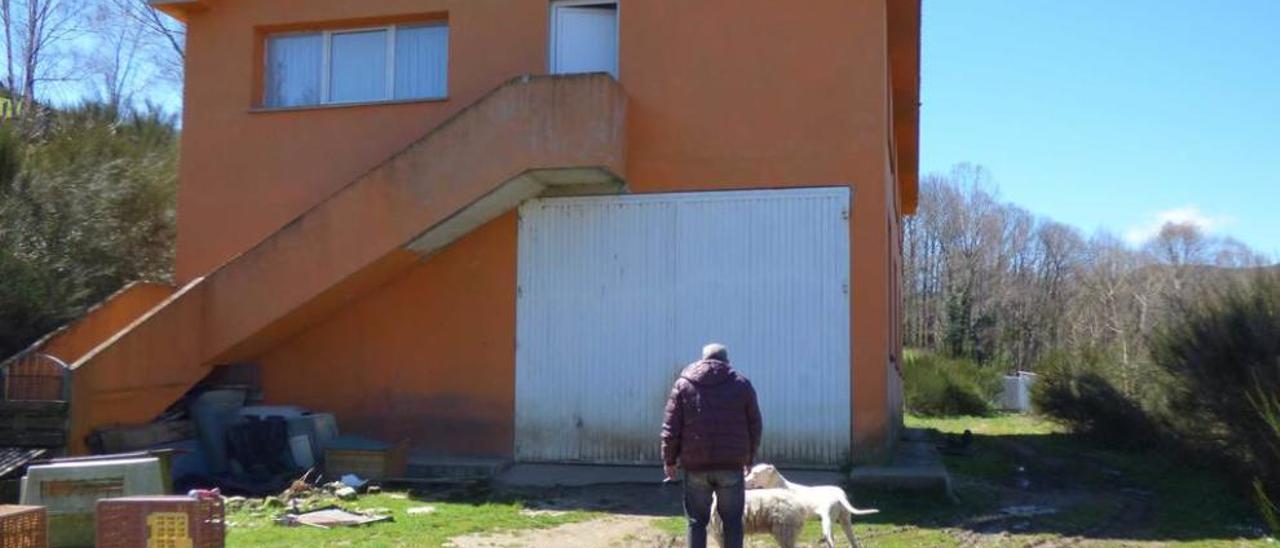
pixel 849 507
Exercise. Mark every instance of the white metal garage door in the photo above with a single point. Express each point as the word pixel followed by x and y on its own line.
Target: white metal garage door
pixel 617 294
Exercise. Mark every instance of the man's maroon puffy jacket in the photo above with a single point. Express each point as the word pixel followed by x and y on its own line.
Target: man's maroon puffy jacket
pixel 712 419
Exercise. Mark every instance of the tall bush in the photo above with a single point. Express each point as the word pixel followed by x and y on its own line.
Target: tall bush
pixel 1268 495
pixel 86 206
pixel 1213 395
pixel 1075 389
pixel 937 386
pixel 1223 352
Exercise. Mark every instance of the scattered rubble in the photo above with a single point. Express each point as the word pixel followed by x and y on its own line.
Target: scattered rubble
pixel 331 517
pixel 306 502
pixel 353 481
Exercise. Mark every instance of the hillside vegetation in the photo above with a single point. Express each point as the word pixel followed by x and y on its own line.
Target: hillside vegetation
pixel 86 206
pixel 1171 346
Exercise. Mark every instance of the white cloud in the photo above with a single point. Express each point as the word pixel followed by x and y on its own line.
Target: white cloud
pixel 1181 215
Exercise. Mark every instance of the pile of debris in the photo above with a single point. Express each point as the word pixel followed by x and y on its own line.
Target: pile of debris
pixel 220 438
pixel 223 435
pixel 308 502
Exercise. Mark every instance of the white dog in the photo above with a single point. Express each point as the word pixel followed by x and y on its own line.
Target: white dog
pixel 778 512
pixel 827 501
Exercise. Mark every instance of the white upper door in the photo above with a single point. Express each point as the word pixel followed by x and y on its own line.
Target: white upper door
pixel 616 294
pixel 584 37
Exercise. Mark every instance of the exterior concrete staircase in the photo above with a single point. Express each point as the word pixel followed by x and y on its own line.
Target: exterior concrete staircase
pixel 35 383
pixel 529 137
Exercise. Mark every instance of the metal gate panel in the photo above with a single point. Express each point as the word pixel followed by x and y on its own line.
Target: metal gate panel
pixel 616 294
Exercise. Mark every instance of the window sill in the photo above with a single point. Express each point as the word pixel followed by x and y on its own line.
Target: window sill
pixel 328 106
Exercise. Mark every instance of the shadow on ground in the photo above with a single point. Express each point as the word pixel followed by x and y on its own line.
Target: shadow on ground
pixel 1020 489
pixel 1042 487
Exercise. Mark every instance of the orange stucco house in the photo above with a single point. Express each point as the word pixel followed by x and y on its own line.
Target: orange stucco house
pixel 500 227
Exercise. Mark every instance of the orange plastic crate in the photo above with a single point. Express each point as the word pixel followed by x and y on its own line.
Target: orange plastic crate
pixel 160 522
pixel 23 527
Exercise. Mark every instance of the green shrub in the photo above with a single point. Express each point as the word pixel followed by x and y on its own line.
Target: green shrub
pixel 937 386
pixel 1268 496
pixel 1076 394
pixel 1213 394
pixel 86 206
pixel 25 294
pixel 1223 351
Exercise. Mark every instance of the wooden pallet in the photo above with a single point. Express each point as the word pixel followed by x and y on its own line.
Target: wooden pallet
pixel 33 424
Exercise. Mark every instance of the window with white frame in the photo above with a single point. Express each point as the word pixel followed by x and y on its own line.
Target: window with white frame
pixel 584 36
pixel 389 63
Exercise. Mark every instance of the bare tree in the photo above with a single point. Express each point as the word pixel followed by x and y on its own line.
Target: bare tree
pixel 134 53
pixel 113 67
pixel 164 37
pixel 35 32
pixel 987 280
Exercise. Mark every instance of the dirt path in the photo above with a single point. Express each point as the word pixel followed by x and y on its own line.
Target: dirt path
pixel 618 531
pixel 1043 482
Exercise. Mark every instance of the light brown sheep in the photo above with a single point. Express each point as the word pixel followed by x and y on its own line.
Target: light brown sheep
pixel 778 512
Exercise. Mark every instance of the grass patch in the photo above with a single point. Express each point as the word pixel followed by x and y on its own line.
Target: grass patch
pixel 1020 457
pixel 997 425
pixel 450 519
pixel 673 525
pixel 1099 496
pixel 935 385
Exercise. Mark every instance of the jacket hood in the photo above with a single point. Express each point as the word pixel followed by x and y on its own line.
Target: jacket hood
pixel 708 372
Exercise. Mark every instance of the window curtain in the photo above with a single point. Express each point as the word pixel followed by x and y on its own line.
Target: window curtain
pixel 358 66
pixel 293 71
pixel 422 62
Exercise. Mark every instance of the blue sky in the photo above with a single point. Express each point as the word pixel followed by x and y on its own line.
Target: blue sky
pixel 1113 115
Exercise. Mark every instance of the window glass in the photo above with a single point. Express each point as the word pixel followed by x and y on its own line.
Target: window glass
pixel 585 39
pixel 293 69
pixel 422 55
pixel 358 66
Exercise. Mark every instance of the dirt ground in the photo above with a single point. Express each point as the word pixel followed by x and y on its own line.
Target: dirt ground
pixel 631 516
pixel 613 531
pixel 1022 483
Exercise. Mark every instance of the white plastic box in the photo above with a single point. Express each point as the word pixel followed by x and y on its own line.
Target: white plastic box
pixel 1016 395
pixel 71 490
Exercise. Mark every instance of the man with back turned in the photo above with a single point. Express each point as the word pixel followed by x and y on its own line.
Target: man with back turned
pixel 711 430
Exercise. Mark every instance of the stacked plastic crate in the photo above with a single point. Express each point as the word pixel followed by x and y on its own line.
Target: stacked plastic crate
pixel 23 527
pixel 169 521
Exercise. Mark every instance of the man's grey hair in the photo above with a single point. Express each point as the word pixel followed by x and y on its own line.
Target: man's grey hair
pixel 715 351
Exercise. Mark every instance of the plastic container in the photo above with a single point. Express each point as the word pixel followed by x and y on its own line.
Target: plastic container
pixel 320 428
pixel 188 461
pixel 23 527
pixel 70 491
pixel 1016 393
pixel 213 412
pixel 186 522
pixel 366 458
pixel 267 411
pixel 300 447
